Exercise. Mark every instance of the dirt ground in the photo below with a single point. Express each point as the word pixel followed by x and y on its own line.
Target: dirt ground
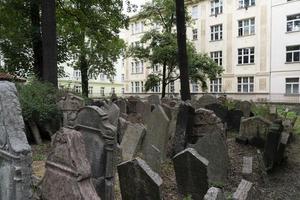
pixel 282 184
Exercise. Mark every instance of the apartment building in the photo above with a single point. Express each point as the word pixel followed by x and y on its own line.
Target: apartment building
pixel 235 33
pixel 285 50
pixel 99 87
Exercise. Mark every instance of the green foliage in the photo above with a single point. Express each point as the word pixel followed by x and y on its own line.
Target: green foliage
pixel 152 81
pixel 189 197
pixel 38 101
pixel 261 110
pixel 297 126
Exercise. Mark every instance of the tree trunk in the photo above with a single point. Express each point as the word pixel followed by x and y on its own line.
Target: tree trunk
pixel 49 41
pixel 164 82
pixel 84 75
pixel 35 132
pixel 182 53
pixel 36 38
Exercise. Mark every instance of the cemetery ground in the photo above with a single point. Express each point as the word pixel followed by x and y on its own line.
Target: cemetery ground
pixel 283 183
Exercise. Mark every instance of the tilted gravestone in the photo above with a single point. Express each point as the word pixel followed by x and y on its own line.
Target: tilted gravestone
pixel 152 156
pixel 234 119
pixel 122 104
pixel 245 191
pixel 220 110
pixel 70 104
pixel 214 193
pixel 255 130
pixel 113 113
pixel 68 172
pixel 15 152
pixel 184 128
pixel 100 140
pixel 205 100
pixel 157 132
pixel 154 99
pixel 191 173
pixel 132 140
pixel 138 181
pixel 245 107
pixel 247 165
pixel 272 144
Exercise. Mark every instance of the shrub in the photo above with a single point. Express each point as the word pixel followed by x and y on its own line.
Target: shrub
pixel 38 102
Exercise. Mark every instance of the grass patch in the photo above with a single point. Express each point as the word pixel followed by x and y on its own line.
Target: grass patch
pixel 40 152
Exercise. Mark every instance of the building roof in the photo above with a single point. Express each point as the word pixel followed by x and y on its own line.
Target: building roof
pixel 8 77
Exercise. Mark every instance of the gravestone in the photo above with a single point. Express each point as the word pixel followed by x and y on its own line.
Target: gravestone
pixel 143 109
pixel 280 156
pixel 132 139
pixel 122 104
pixel 131 104
pixel 122 125
pixel 70 104
pixel 154 99
pixel 220 110
pixel 245 107
pixel 184 128
pixel 244 191
pixel 153 158
pixel 100 140
pixel 255 129
pixel 234 119
pixel 247 165
pixel 138 181
pixel 15 152
pixel 68 172
pixel 205 100
pixel 213 147
pixel 113 113
pixel 272 144
pixel 157 131
pixel 214 194
pixel 191 173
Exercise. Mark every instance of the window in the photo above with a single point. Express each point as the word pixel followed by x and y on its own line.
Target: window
pixel 245 84
pixel 155 68
pixel 216 32
pixel 195 87
pixel 156 88
pixel 246 27
pixel 293 54
pixel 137 87
pixel 195 34
pixel 293 23
pixel 102 77
pixel 122 77
pixel 113 91
pixel 137 67
pixel 216 85
pixel 195 14
pixel 246 3
pixel 217 57
pixel 216 7
pixel 292 85
pixel 246 55
pixel 142 86
pixel 172 87
pixel 137 27
pixel 90 90
pixel 102 89
pixel 132 87
pixel 77 89
pixel 77 73
pixel 123 90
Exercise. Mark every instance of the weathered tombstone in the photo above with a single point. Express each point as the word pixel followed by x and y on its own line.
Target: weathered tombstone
pixel 113 113
pixel 100 141
pixel 205 121
pixel 205 100
pixel 138 181
pixel 154 99
pixel 280 156
pixel 247 165
pixel 244 191
pixel 191 173
pixel 220 110
pixel 245 107
pixel 132 139
pixel 70 104
pixel 68 172
pixel 144 109
pixel 153 158
pixel 157 131
pixel 131 105
pixel 122 125
pixel 122 104
pixel 213 147
pixel 255 130
pixel 234 119
pixel 15 152
pixel 272 143
pixel 214 193
pixel 184 128
pixel 272 113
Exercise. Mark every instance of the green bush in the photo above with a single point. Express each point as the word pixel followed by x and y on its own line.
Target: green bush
pixel 260 110
pixel 38 101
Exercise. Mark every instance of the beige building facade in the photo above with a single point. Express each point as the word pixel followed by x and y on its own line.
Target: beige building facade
pixel 237 34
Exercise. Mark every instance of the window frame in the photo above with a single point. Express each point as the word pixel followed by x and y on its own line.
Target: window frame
pixel 245 55
pixel 249 84
pixel 217 56
pixel 246 27
pixel 293 22
pixel 216 32
pixel 216 7
pixel 216 85
pixel 293 53
pixel 292 84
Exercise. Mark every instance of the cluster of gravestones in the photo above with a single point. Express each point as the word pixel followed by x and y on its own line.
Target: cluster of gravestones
pixel 133 137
